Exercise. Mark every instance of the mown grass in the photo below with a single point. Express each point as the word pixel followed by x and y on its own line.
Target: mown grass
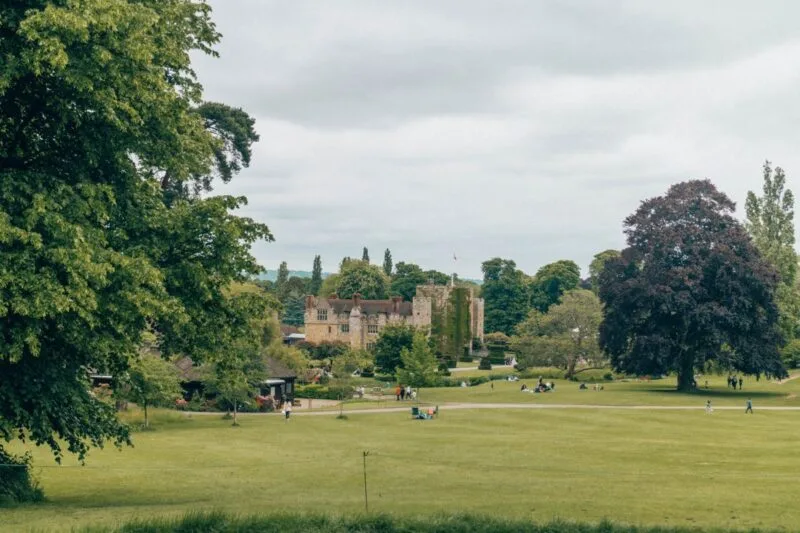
pixel 320 523
pixel 632 392
pixel 674 468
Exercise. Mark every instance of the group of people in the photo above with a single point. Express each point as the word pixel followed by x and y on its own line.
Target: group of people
pixel 748 407
pixel 405 393
pixel 734 380
pixel 541 386
pixel 594 387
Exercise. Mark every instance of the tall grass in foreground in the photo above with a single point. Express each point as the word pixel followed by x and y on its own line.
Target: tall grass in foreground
pixel 318 523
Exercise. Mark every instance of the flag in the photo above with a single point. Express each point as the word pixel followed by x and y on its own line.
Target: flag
pixel 454 257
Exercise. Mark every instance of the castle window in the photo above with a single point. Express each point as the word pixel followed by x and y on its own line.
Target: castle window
pixel 370 346
pixel 372 328
pixel 322 314
pixel 344 328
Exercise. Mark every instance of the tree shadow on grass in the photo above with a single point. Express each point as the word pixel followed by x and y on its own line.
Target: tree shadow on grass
pixel 711 394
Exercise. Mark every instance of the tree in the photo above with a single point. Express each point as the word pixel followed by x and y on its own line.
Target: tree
pixel 151 381
pixel 407 277
pixel 283 276
pixel 359 277
pixel 505 295
pixel 419 365
pixel 691 287
pixel 102 133
pixel 316 276
pixel 329 286
pixel 365 255
pixel 350 361
pixel 770 222
pixel 597 265
pixel 565 336
pixel 387 262
pixel 391 342
pixel 436 277
pixel 235 381
pixel 551 281
pixel 294 310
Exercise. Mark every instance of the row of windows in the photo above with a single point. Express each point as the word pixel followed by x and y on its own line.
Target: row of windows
pixel 322 314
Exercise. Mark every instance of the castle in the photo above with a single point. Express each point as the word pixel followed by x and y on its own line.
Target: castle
pixel 358 322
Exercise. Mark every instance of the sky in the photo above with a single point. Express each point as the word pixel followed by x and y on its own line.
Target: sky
pixel 521 129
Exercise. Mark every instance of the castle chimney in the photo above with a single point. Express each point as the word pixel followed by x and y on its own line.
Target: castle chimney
pixel 310 303
pixel 396 304
pixel 356 300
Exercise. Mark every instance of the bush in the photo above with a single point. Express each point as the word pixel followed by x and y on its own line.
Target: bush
pixel 608 376
pixel 320 392
pixel 444 369
pixel 485 364
pixel 17 485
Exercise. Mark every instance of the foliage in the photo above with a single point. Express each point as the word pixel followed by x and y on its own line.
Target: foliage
pixel 294 311
pixel 485 364
pixel 392 340
pixel 597 265
pixel 436 277
pixel 690 282
pixel 359 277
pixel 790 354
pixel 551 281
pixel 151 381
pixel 505 295
pixel 770 222
pixel 457 332
pixel 283 277
pixel 387 263
pixel 103 134
pixel 17 484
pixel 407 276
pixel 565 336
pixel 324 350
pixel 350 361
pixel 320 392
pixel 291 356
pixel 316 276
pixel 419 365
pixel 329 286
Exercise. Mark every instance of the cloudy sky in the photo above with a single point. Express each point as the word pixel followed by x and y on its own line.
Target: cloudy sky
pixel 523 129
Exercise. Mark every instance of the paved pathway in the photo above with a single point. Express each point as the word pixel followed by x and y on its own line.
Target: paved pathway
pixel 455 406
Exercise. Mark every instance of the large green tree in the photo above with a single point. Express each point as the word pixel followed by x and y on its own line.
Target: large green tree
pixel 419 365
pixel 564 337
pixel 151 380
pixel 505 295
pixel 103 137
pixel 770 222
pixel 360 277
pixel 691 287
pixel 407 276
pixel 551 281
pixel 393 339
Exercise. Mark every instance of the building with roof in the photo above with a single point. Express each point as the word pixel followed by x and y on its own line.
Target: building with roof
pixel 358 322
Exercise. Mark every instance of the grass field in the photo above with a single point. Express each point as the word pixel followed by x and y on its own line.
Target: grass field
pixel 679 468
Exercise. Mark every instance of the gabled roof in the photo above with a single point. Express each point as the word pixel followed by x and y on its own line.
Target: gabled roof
pixel 188 371
pixel 278 370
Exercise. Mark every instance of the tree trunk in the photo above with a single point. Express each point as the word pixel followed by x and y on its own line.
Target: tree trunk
pixel 234 414
pixel 570 368
pixel 146 422
pixel 686 373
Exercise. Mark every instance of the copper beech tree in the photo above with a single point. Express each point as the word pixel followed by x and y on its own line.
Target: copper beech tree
pixel 690 287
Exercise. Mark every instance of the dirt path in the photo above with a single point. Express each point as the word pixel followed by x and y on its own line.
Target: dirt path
pixel 469 368
pixel 790 378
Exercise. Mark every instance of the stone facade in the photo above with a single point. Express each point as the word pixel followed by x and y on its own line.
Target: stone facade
pixel 358 322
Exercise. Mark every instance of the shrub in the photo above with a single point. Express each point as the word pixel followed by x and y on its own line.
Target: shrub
pixel 444 369
pixel 320 392
pixel 608 376
pixel 17 485
pixel 485 364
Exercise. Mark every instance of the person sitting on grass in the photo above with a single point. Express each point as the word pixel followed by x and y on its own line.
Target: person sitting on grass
pixel 524 387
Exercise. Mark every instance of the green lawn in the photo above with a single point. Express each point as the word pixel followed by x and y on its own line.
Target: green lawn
pixel 644 467
pixel 658 392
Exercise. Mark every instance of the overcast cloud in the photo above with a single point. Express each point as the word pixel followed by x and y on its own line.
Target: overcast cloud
pixel 522 129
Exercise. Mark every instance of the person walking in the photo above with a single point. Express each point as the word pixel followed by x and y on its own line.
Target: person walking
pixel 402 392
pixel 749 406
pixel 287 410
pixel 741 382
pixel 397 393
pixel 709 409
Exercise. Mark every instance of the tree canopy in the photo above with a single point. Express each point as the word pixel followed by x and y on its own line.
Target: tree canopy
pixel 393 339
pixel 551 281
pixel 360 277
pixel 316 276
pixel 690 288
pixel 505 295
pixel 419 365
pixel 387 262
pixel 103 133
pixel 597 265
